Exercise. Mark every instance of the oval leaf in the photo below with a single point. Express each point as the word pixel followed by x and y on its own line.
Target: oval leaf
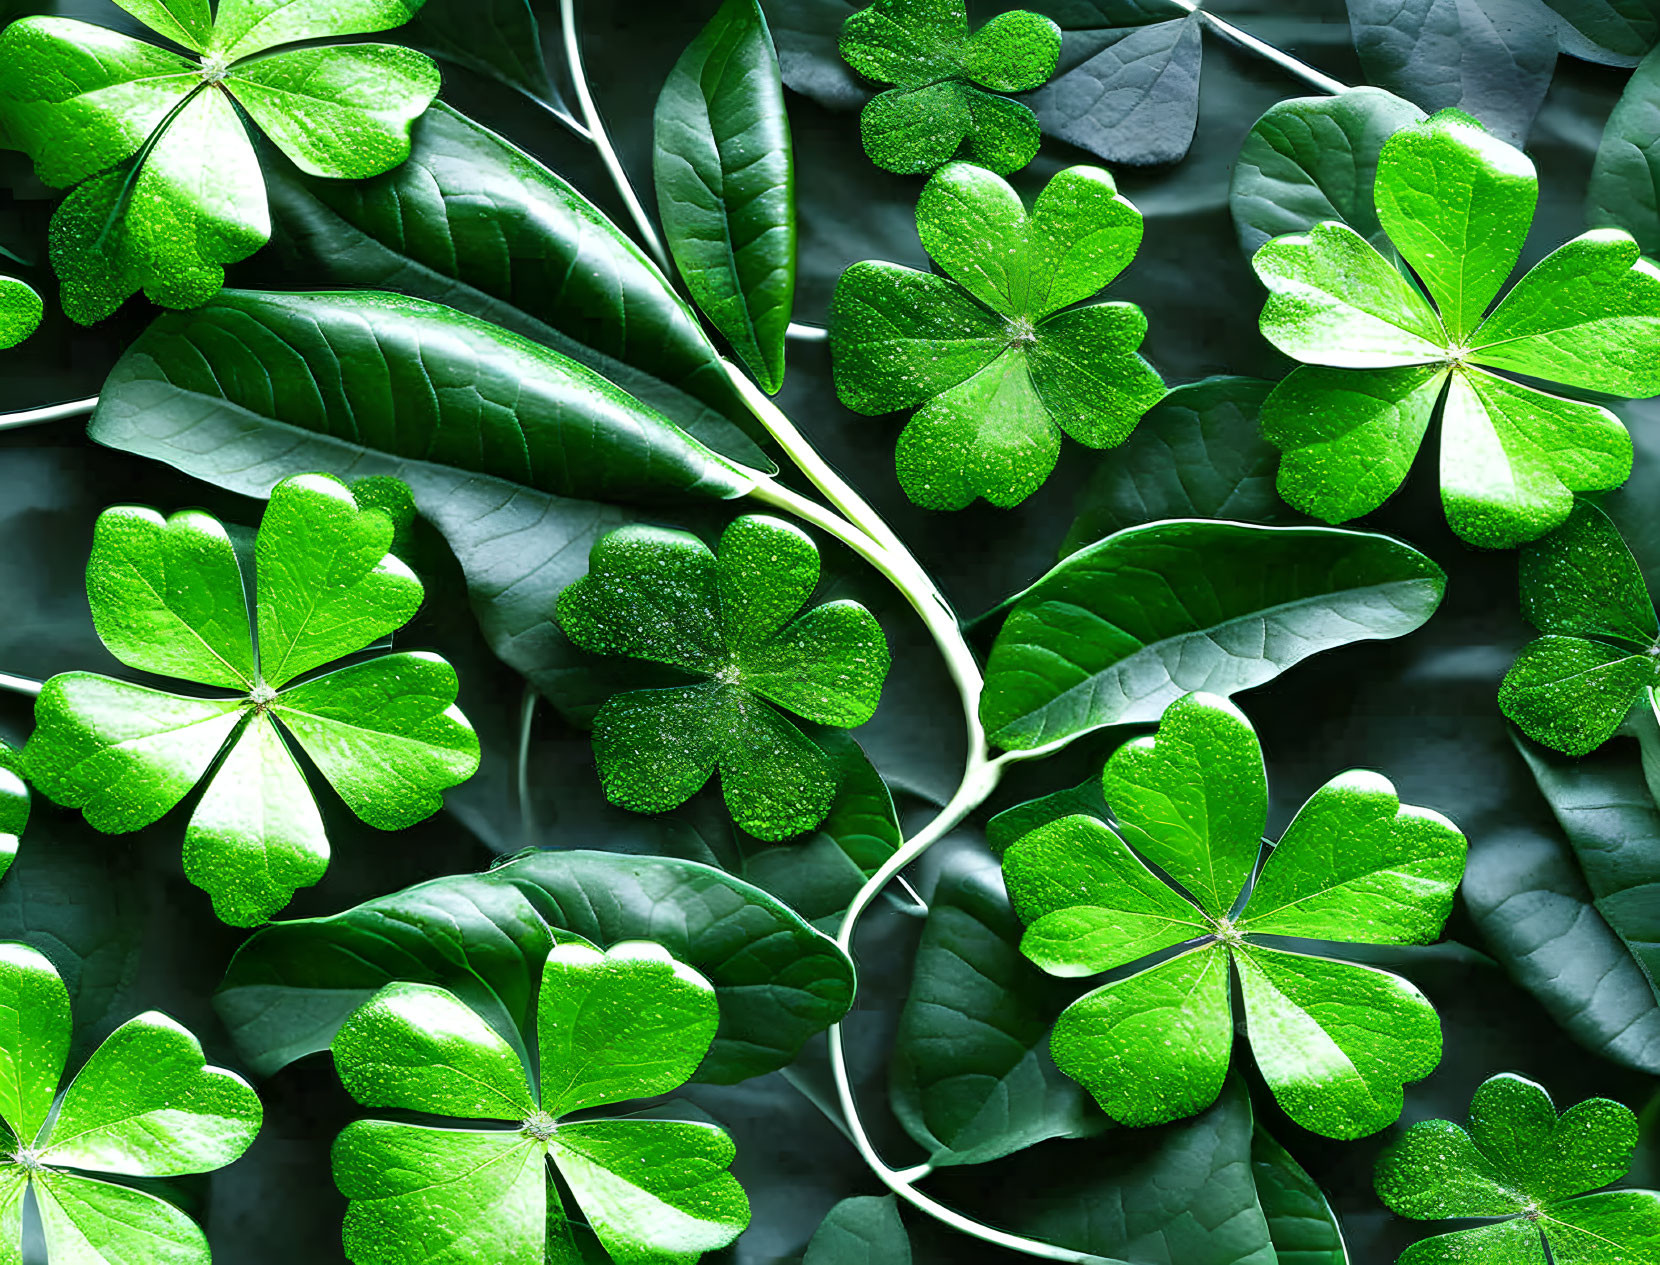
pixel 1104 638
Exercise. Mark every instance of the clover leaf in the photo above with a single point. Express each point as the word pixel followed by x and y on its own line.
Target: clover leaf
pixel 1335 1041
pixel 14 806
pixel 20 311
pixel 1519 1160
pixel 940 102
pixel 168 185
pixel 145 1104
pixel 1600 654
pixel 732 622
pixel 1456 203
pixel 1000 369
pixel 167 597
pixel 628 1023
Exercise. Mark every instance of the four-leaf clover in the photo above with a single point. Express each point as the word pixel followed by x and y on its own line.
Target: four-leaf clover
pixel 628 1023
pixel 170 188
pixel 168 597
pixel 1000 368
pixel 1600 654
pixel 729 620
pixel 1518 1160
pixel 1335 1041
pixel 1456 203
pixel 941 75
pixel 145 1104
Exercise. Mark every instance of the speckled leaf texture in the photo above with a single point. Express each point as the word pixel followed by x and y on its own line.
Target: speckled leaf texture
pixel 144 1104
pixel 167 188
pixel 20 311
pixel 1335 1041
pixel 1379 356
pixel 1517 1159
pixel 168 597
pixel 946 100
pixel 1000 361
pixel 733 622
pixel 610 1026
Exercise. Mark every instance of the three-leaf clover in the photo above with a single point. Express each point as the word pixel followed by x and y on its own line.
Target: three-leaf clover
pixel 610 1027
pixel 1518 1160
pixel 1335 1041
pixel 1456 203
pixel 730 620
pixel 145 1104
pixel 168 597
pixel 20 311
pixel 1600 654
pixel 1000 368
pixel 169 186
pixel 940 102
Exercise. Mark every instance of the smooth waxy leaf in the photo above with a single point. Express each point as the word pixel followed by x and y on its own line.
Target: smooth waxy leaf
pixel 145 1104
pixel 612 1026
pixel 946 83
pixel 1456 202
pixel 168 596
pixel 169 187
pixel 864 1230
pixel 1574 686
pixel 1613 32
pixel 735 619
pixel 725 177
pixel 1623 186
pixel 1517 1158
pixel 485 937
pixel 1101 640
pixel 20 311
pixel 1000 380
pixel 1300 1217
pixel 14 810
pixel 1335 1041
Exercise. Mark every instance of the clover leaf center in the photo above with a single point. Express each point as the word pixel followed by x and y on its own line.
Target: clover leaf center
pixel 1226 933
pixel 540 1126
pixel 214 68
pixel 1019 331
pixel 28 1159
pixel 262 696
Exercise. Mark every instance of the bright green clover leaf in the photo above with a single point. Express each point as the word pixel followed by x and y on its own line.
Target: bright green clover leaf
pixel 1600 654
pixel 1518 1160
pixel 628 1023
pixel 941 73
pixel 20 311
pixel 145 1104
pixel 168 597
pixel 1335 1041
pixel 1000 369
pixel 169 188
pixel 1378 355
pixel 14 806
pixel 730 621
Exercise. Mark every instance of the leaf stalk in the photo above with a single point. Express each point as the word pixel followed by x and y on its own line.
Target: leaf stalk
pixel 48 413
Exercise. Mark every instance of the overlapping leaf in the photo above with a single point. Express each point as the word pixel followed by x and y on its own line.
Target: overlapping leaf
pixel 20 311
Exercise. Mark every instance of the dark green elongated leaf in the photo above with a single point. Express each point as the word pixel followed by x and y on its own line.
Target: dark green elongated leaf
pixel 1312 159
pixel 1300 1219
pixel 1625 182
pixel 1529 897
pixel 484 937
pixel 1613 32
pixel 972 1079
pixel 230 393
pixel 864 1230
pixel 1129 624
pixel 1604 807
pixel 473 222
pixel 726 184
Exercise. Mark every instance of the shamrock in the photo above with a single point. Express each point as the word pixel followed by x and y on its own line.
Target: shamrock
pixel 941 73
pixel 168 597
pixel 1518 1160
pixel 14 807
pixel 20 311
pixel 145 1104
pixel 1600 654
pixel 1456 203
pixel 1000 369
pixel 1335 1041
pixel 169 186
pixel 731 621
pixel 628 1023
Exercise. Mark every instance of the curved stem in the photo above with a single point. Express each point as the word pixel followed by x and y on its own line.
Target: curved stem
pixel 20 684
pixel 49 413
pixel 1317 80
pixel 602 140
pixel 527 718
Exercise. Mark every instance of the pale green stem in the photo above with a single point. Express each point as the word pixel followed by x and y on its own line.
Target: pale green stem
pixel 602 140
pixel 50 413
pixel 527 717
pixel 19 684
pixel 806 333
pixel 1317 80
